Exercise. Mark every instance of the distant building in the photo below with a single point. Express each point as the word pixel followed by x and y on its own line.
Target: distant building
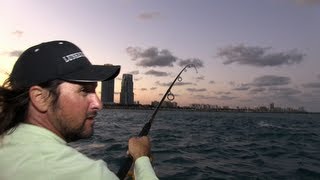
pixel 204 106
pixel 272 106
pixel 165 104
pixel 301 109
pixel 126 94
pixel 155 103
pixel 107 92
pixel 170 104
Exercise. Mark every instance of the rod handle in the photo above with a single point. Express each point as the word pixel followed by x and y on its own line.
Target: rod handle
pixel 123 171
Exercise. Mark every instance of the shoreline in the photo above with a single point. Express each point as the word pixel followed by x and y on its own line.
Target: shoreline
pixel 230 110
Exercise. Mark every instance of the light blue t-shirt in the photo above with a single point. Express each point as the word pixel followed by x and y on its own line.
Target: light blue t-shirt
pixel 35 153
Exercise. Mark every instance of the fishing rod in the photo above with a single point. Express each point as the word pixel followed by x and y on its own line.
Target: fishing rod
pixel 146 128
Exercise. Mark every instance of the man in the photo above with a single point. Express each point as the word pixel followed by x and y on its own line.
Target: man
pixel 50 100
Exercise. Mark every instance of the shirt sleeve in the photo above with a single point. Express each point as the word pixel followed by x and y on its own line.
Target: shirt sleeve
pixel 143 169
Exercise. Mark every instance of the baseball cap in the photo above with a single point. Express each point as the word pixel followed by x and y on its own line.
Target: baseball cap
pixel 57 60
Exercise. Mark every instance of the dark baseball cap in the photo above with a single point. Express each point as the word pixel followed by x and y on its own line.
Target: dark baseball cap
pixel 57 60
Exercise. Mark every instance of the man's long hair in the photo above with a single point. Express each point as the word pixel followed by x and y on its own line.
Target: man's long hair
pixel 14 103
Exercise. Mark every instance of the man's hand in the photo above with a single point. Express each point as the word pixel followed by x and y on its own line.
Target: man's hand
pixel 139 146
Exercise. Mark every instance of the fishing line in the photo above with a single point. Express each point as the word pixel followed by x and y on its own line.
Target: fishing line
pixel 124 169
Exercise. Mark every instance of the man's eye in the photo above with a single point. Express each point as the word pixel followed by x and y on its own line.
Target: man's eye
pixel 88 88
pixel 85 90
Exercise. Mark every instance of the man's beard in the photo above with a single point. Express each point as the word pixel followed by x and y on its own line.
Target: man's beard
pixel 83 131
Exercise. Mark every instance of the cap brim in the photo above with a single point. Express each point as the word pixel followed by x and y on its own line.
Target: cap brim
pixel 93 73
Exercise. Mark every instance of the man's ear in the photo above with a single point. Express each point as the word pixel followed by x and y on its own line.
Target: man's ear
pixel 39 97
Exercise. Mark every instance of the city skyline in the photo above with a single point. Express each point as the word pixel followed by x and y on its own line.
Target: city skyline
pixel 248 53
pixel 127 85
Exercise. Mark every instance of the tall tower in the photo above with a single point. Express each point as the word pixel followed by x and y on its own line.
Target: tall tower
pixel 126 94
pixel 272 106
pixel 107 90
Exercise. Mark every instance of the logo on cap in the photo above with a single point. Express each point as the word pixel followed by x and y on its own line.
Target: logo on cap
pixel 73 56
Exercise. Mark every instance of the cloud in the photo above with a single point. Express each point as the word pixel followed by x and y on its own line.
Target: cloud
pixel 283 91
pixel 211 82
pixel 17 33
pixel 163 84
pixel 203 97
pixel 134 72
pixel 156 73
pixel 312 85
pixel 242 87
pixel 133 52
pixel 223 92
pixel 176 84
pixel 270 80
pixel 143 89
pixel 15 53
pixel 200 78
pixel 183 83
pixel 153 88
pixel 195 61
pixel 282 95
pixel 196 90
pixel 149 15
pixel 258 56
pixel 151 57
pixel 137 79
pixel 232 83
pixel 257 90
pixel 224 98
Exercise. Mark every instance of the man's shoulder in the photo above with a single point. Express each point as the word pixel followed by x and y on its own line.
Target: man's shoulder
pixel 45 148
pixel 56 159
pixel 31 134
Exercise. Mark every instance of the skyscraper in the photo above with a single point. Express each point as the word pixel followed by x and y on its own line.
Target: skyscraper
pixel 126 94
pixel 107 90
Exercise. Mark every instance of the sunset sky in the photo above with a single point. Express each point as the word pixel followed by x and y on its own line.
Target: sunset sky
pixel 248 53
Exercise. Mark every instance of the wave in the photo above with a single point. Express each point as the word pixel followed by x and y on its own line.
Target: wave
pixel 211 145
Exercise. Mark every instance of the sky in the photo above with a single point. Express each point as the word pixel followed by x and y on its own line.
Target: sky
pixel 248 53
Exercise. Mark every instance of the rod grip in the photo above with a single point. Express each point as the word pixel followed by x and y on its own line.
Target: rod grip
pixel 123 171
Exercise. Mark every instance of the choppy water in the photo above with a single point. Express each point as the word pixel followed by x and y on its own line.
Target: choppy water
pixel 214 145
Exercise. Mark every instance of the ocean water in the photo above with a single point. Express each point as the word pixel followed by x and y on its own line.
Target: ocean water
pixel 213 145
